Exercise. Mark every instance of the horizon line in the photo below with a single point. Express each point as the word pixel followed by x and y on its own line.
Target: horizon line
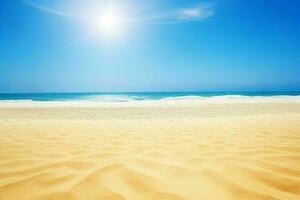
pixel 136 92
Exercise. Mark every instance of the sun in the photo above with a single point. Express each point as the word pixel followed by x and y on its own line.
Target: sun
pixel 110 23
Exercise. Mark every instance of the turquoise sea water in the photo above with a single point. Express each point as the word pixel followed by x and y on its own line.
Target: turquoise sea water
pixel 124 97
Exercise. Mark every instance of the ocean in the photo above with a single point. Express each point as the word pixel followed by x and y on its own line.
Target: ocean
pixel 138 96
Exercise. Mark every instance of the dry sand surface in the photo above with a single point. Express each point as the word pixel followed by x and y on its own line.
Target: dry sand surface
pixel 138 151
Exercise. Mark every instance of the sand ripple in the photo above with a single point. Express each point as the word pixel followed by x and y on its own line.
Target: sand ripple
pixel 171 158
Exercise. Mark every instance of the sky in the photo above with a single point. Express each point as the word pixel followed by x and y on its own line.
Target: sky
pixel 153 46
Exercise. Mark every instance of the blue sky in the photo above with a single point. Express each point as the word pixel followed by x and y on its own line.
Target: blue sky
pixel 170 45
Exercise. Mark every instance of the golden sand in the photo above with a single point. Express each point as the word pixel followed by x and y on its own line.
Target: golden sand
pixel 169 151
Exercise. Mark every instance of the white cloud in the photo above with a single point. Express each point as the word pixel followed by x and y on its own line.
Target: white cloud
pixel 53 11
pixel 180 15
pixel 190 13
pixel 173 16
pixel 195 13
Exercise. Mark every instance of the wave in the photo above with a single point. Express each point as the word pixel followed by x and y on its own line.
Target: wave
pixel 150 97
pixel 113 98
pixel 132 98
pixel 19 101
pixel 230 97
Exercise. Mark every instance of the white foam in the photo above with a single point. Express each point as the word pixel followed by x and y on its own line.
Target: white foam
pixel 127 101
pixel 109 98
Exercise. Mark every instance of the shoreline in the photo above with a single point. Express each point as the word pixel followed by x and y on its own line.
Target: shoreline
pixel 176 101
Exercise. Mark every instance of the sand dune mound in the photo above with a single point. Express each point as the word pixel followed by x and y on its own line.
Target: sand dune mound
pixel 47 154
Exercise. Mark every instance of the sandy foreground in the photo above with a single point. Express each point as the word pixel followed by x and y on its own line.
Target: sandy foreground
pixel 172 150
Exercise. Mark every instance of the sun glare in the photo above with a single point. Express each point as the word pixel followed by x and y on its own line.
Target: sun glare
pixel 110 23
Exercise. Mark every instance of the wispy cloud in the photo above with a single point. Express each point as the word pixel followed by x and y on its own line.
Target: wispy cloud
pixel 196 13
pixel 53 11
pixel 174 16
pixel 188 14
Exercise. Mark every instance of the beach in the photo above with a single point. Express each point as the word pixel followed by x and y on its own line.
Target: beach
pixel 174 149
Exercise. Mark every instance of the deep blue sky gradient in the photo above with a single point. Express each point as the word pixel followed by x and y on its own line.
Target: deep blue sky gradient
pixel 246 46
